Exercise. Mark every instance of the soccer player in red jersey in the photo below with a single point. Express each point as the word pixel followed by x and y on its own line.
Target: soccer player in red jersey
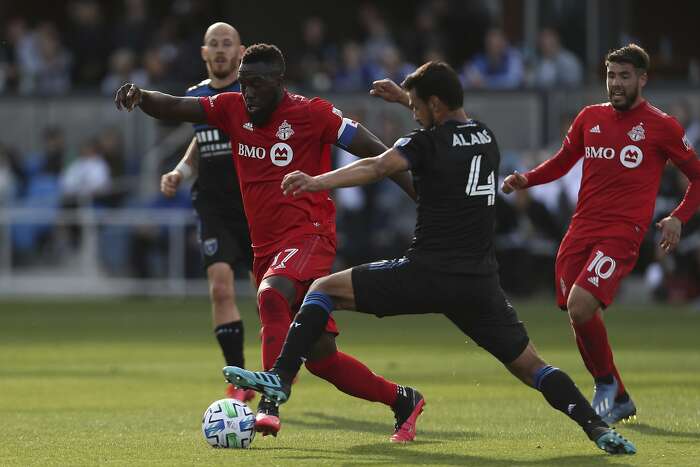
pixel 273 133
pixel 625 144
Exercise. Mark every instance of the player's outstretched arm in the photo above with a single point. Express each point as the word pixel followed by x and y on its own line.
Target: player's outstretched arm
pixel 361 172
pixel 514 181
pixel 389 91
pixel 366 144
pixel 170 182
pixel 159 105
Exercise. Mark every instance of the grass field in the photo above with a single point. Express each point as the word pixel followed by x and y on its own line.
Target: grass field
pixel 126 382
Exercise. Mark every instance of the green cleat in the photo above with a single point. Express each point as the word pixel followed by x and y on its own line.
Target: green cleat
pixel 613 443
pixel 267 383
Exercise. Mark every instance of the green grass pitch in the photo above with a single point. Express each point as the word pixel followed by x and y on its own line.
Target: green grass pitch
pixel 126 382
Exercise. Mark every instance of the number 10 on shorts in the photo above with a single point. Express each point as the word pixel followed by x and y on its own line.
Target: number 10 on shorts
pixel 603 265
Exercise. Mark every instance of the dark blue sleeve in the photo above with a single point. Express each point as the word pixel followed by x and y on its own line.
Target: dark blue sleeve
pixel 415 147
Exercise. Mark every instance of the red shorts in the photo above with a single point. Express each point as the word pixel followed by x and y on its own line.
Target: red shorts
pixel 302 260
pixel 596 264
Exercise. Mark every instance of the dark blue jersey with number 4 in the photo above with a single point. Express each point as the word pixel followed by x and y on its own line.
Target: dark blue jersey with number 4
pixel 455 170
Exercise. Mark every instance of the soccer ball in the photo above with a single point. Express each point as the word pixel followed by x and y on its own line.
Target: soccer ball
pixel 228 423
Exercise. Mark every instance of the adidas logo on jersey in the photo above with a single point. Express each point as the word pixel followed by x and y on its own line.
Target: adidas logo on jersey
pixel 595 129
pixel 248 126
pixel 593 280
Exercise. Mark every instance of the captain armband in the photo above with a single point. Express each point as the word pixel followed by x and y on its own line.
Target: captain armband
pixel 346 133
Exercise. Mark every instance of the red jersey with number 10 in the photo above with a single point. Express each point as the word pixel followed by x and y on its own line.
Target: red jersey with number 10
pixel 297 136
pixel 624 157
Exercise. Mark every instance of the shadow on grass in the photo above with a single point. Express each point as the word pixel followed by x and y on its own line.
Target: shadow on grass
pixel 322 421
pixel 657 431
pixel 393 454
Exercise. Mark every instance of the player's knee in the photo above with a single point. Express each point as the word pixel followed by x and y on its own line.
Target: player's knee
pixel 272 305
pixel 320 285
pixel 580 310
pixel 324 347
pixel 220 291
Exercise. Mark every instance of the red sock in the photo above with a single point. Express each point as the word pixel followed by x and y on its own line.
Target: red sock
pixel 275 317
pixel 593 342
pixel 584 355
pixel 354 378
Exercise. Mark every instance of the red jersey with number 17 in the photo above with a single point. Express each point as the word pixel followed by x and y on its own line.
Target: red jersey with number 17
pixel 624 157
pixel 297 136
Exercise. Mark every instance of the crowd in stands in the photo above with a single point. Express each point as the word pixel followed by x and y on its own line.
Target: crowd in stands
pixel 84 55
pixel 90 52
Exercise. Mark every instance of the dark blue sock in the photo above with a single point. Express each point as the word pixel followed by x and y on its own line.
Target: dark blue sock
pixel 562 394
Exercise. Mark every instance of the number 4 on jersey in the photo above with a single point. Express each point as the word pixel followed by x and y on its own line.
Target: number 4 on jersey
pixel 473 187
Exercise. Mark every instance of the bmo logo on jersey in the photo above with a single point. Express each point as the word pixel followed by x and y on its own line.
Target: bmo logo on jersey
pixel 253 152
pixel 281 154
pixel 599 153
pixel 631 156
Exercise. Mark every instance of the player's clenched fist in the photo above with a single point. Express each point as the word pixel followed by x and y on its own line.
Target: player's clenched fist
pixel 299 182
pixel 389 91
pixel 128 96
pixel 514 181
pixel 169 183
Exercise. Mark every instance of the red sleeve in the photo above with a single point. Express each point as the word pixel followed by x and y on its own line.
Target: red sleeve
pixel 220 109
pixel 691 201
pixel 571 151
pixel 676 147
pixel 327 119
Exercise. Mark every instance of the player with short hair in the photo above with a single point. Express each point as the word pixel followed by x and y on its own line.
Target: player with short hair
pixel 216 196
pixel 625 144
pixel 450 267
pixel 274 133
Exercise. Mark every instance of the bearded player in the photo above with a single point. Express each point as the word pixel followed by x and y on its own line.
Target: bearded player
pixel 625 144
pixel 275 133
pixel 216 196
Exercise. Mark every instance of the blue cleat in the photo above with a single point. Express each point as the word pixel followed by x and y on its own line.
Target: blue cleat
pixel 604 398
pixel 613 443
pixel 266 382
pixel 621 412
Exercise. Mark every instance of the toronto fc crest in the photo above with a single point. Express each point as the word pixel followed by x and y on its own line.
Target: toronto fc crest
pixel 284 132
pixel 636 133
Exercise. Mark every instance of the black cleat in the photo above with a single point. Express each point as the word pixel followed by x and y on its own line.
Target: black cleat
pixel 408 406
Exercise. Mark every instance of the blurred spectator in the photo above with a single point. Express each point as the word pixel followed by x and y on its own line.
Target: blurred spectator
pixel 555 66
pixel 44 63
pixel 352 75
pixel 87 39
pixel 133 30
pixel 317 56
pixel 377 34
pixel 149 244
pixel 500 66
pixel 41 191
pixel 432 37
pixel 527 236
pixel 85 177
pixel 683 112
pixel 7 177
pixel 155 67
pixel 122 69
pixel 50 161
pixel 392 66
pixel 110 145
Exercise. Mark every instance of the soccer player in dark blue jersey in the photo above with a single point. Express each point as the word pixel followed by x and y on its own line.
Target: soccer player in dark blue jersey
pixel 216 196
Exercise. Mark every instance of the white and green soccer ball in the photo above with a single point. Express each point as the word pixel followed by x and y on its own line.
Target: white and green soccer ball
pixel 229 423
